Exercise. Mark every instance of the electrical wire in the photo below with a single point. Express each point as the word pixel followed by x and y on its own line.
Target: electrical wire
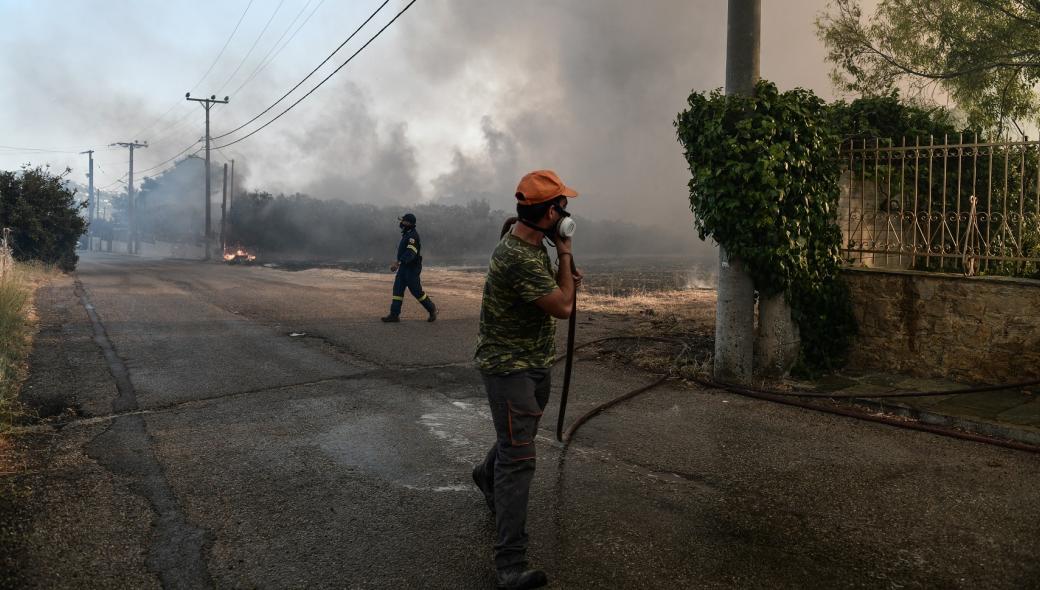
pixel 49 150
pixel 111 184
pixel 168 160
pixel 224 48
pixel 307 77
pixel 252 47
pixel 326 79
pixel 208 70
pixel 122 179
pixel 169 129
pixel 264 61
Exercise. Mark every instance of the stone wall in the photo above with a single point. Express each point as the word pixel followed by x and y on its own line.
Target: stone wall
pixel 979 329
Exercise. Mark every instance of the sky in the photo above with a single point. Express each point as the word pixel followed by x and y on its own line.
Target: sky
pixel 455 101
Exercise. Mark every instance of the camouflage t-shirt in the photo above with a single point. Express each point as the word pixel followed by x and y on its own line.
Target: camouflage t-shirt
pixel 515 334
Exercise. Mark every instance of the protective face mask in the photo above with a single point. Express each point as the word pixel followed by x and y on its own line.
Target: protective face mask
pixel 403 225
pixel 564 227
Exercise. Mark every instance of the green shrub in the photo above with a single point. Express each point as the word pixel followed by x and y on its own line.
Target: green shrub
pixel 43 214
pixel 765 186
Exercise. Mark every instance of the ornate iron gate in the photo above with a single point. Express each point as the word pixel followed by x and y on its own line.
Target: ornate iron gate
pixel 960 206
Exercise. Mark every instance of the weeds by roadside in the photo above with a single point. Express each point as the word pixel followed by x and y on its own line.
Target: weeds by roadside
pixel 17 318
pixel 18 282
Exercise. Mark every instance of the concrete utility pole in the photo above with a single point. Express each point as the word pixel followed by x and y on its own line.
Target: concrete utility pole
pixel 223 212
pixel 132 245
pixel 231 187
pixel 735 310
pixel 207 104
pixel 91 201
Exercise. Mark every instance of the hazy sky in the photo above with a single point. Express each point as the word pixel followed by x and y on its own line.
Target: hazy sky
pixel 456 100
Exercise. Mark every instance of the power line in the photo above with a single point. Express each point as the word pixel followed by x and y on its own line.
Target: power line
pixel 264 61
pixel 226 43
pixel 252 47
pixel 326 79
pixel 307 77
pixel 163 163
pixel 166 131
pixel 113 183
pixel 168 160
pixel 208 70
pixel 47 150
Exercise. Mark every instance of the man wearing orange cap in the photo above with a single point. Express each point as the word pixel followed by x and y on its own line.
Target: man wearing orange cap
pixel 515 350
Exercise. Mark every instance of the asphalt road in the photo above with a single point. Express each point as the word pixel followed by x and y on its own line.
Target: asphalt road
pixel 204 446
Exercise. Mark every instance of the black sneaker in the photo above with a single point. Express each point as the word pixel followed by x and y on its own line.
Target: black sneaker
pixel 481 483
pixel 391 318
pixel 433 313
pixel 517 578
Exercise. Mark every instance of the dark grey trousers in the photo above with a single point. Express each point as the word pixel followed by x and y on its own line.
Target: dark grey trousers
pixel 517 401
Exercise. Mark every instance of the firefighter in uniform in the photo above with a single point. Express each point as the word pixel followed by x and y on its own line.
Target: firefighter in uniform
pixel 408 267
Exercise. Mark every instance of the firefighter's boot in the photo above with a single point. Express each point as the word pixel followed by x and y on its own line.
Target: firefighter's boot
pixel 518 578
pixel 427 303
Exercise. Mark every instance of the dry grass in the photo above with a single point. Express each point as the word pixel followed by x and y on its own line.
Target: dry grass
pixel 687 317
pixel 695 306
pixel 17 324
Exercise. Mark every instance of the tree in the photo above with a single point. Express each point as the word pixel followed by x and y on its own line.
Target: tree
pixel 984 54
pixel 765 185
pixel 43 214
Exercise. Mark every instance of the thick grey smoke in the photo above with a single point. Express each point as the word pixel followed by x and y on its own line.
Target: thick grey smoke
pixel 487 175
pixel 589 89
pixel 454 103
pixel 348 154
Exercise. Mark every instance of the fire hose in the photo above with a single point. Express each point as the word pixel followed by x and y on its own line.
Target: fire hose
pixel 791 398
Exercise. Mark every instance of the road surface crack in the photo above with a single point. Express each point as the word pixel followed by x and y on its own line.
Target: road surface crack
pixel 125 449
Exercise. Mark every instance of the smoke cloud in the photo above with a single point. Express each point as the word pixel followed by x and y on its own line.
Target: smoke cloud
pixel 454 103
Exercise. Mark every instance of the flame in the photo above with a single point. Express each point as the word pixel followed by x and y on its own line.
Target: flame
pixel 238 253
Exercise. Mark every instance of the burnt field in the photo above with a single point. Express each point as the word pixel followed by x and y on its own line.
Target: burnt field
pixel 610 276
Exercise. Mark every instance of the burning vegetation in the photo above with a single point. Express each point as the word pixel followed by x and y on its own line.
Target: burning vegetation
pixel 238 255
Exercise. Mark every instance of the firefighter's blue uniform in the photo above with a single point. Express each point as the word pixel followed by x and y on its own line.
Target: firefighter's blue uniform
pixel 409 256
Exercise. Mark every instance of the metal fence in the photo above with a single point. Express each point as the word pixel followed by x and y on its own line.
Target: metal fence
pixel 947 206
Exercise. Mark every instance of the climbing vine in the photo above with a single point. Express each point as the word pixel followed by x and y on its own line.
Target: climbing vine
pixel 765 186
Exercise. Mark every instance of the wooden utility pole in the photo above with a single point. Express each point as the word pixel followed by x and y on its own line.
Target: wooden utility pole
pixel 735 309
pixel 207 104
pixel 131 246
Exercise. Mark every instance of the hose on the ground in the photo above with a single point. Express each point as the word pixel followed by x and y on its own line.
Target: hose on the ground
pixel 790 398
pixel 783 397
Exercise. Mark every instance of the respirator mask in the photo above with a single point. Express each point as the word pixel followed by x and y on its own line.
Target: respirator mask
pixel 563 228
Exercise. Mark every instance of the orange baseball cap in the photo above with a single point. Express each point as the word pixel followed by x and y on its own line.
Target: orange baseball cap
pixel 540 186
